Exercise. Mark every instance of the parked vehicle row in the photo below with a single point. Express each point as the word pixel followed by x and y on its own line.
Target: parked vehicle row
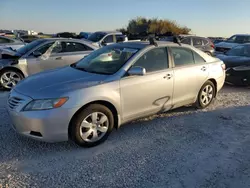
pixel 86 100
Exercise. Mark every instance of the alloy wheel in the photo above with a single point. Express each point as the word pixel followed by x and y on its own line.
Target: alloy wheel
pixel 94 127
pixel 9 79
pixel 207 95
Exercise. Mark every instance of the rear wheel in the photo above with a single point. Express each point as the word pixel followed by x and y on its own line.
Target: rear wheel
pixel 9 78
pixel 206 95
pixel 92 125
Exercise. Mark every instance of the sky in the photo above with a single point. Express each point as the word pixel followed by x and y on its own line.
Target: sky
pixel 204 17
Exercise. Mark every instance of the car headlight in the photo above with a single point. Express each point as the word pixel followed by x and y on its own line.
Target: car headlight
pixel 45 104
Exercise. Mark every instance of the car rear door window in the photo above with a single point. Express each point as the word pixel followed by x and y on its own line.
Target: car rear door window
pixel 153 60
pixel 198 59
pixel 186 41
pixel 197 41
pixel 182 56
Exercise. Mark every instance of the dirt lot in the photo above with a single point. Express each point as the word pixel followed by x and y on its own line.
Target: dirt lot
pixel 182 148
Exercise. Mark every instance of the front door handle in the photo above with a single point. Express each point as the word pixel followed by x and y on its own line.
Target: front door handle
pixel 59 58
pixel 168 76
pixel 204 68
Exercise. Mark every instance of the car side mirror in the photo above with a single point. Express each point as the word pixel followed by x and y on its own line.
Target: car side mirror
pixel 137 71
pixel 103 43
pixel 37 54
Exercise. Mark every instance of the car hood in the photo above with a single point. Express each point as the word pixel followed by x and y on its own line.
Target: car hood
pixel 226 45
pixel 57 82
pixel 233 61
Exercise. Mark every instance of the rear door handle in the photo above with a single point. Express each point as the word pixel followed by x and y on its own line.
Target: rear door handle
pixel 204 68
pixel 168 76
pixel 59 58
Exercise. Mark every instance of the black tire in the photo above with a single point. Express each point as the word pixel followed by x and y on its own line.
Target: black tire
pixel 74 129
pixel 9 70
pixel 199 103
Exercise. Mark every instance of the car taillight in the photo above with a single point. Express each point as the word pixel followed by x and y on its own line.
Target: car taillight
pixel 212 45
pixel 223 66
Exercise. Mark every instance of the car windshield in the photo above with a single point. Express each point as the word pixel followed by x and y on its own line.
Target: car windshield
pixel 239 39
pixel 95 37
pixel 107 60
pixel 23 50
pixel 242 50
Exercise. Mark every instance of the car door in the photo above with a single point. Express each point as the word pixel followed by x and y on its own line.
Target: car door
pixel 66 53
pixel 150 93
pixel 190 72
pixel 34 64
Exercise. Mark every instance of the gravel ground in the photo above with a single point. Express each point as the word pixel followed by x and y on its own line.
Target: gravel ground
pixel 181 148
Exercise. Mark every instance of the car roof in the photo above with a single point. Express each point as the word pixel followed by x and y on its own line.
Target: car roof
pixel 70 40
pixel 144 44
pixel 242 35
pixel 108 32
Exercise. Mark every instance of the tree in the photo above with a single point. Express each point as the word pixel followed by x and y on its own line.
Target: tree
pixel 154 25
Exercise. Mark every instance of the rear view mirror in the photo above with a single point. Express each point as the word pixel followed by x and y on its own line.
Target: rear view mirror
pixel 137 71
pixel 37 54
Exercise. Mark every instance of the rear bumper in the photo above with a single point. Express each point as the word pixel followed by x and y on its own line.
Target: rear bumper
pixel 220 82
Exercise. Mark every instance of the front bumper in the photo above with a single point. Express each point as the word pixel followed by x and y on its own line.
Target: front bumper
pixel 45 125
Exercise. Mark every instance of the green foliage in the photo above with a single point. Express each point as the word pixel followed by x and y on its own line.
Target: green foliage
pixel 155 25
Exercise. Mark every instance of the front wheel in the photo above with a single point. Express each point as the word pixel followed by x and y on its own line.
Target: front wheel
pixel 9 78
pixel 206 95
pixel 92 125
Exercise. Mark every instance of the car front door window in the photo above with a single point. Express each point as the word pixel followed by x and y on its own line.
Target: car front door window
pixel 153 60
pixel 186 41
pixel 109 39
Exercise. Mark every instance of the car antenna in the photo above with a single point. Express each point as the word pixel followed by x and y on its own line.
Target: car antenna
pixel 152 40
pixel 176 39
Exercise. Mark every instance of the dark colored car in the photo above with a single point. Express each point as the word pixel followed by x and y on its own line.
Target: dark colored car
pixel 29 38
pixel 202 43
pixel 237 62
pixel 84 35
pixel 66 35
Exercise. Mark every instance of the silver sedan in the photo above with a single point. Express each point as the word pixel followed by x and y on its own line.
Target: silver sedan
pixel 40 55
pixel 113 85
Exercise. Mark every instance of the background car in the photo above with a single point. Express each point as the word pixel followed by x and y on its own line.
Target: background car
pixel 233 41
pixel 6 42
pixel 84 35
pixel 237 62
pixel 40 55
pixel 29 38
pixel 66 35
pixel 102 38
pixel 202 43
pixel 143 79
